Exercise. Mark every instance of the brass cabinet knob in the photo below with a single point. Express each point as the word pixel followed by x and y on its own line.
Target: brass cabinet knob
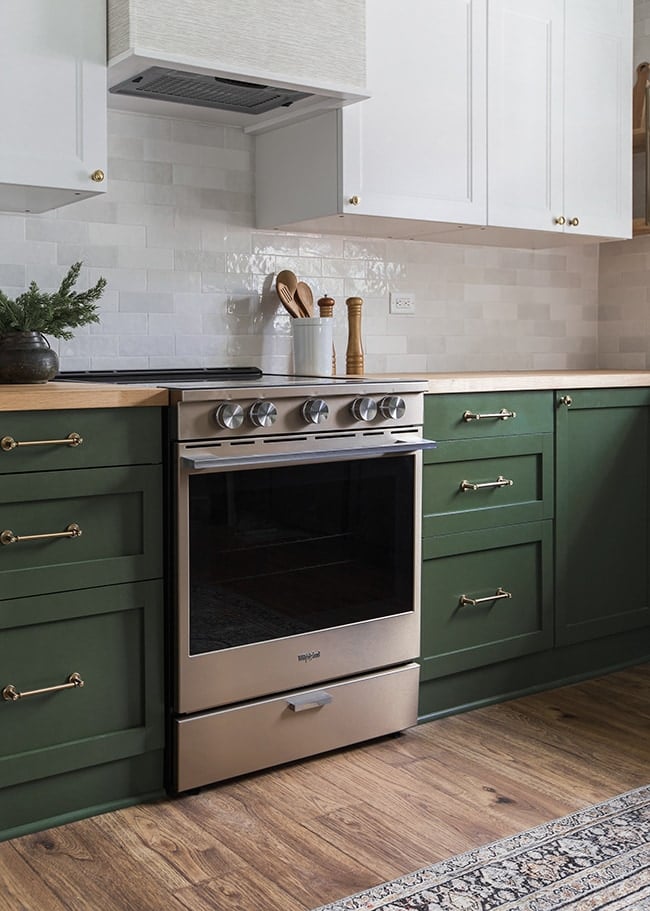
pixel 566 400
pixel 574 222
pixel 97 175
pixel 354 200
pixel 560 220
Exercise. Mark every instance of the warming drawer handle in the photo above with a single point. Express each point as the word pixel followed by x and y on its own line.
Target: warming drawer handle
pixel 7 444
pixel 307 701
pixel 502 415
pixel 11 694
pixel 487 485
pixel 8 537
pixel 473 602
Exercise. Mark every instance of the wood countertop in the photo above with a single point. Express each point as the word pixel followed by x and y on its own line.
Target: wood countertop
pixel 56 396
pixel 509 381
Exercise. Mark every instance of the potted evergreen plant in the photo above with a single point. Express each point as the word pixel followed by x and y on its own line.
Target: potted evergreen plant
pixel 25 353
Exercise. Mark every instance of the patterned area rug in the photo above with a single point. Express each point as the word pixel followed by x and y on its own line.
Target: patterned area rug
pixel 595 860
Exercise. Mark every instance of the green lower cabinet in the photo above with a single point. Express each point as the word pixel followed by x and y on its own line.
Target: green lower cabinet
pixel 111 637
pixel 602 551
pixel 486 597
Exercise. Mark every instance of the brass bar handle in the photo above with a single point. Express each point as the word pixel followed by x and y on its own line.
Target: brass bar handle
pixel 487 485
pixel 502 415
pixel 11 694
pixel 8 537
pixel 473 602
pixel 8 443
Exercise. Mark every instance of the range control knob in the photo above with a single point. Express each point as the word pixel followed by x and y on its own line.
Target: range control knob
pixel 263 414
pixel 229 415
pixel 315 411
pixel 364 409
pixel 393 407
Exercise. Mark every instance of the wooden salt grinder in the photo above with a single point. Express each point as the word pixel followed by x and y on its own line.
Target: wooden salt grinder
pixel 326 309
pixel 354 353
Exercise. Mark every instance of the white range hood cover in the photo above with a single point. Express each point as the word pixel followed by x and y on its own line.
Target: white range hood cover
pixel 236 61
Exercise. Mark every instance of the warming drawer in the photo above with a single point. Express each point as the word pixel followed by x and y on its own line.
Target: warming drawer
pixel 217 745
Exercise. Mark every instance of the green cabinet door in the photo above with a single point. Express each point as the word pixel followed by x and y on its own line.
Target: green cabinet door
pixel 602 543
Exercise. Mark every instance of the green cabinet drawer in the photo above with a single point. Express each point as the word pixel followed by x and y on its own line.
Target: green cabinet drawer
pixel 473 484
pixel 119 513
pixel 455 416
pixel 479 566
pixel 111 436
pixel 111 637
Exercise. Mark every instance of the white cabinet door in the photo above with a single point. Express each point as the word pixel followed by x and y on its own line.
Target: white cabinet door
pixel 525 60
pixel 416 148
pixel 559 116
pixel 52 102
pixel 598 117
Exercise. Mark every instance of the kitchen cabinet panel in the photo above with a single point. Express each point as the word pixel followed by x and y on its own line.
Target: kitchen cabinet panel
pixel 492 415
pixel 559 115
pixel 107 437
pixel 107 636
pixel 472 484
pixel 602 512
pixel 408 158
pixel 506 572
pixel 52 102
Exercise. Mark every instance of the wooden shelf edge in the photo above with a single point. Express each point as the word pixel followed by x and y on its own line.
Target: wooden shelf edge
pixel 640 227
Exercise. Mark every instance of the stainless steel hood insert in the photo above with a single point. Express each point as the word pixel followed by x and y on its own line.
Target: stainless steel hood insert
pixel 165 84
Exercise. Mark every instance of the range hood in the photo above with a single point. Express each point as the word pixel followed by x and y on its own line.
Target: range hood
pixel 236 61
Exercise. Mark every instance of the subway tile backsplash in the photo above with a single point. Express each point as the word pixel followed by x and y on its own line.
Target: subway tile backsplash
pixel 190 280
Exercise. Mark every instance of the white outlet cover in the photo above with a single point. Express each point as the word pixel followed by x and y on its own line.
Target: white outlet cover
pixel 402 302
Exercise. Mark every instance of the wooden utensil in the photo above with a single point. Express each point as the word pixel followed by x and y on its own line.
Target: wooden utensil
pixel 288 278
pixel 290 305
pixel 305 298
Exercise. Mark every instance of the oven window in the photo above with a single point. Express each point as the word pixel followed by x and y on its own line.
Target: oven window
pixel 284 551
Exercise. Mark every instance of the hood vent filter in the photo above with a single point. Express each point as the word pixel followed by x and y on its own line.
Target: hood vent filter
pixel 207 91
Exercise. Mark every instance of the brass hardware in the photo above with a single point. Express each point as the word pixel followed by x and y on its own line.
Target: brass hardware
pixel 354 200
pixel 574 222
pixel 11 694
pixel 502 415
pixel 8 537
pixel 473 602
pixel 566 400
pixel 8 443
pixel 560 220
pixel 500 482
pixel 97 175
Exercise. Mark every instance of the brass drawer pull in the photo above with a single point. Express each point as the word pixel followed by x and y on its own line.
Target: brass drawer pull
pixel 11 694
pixel 502 415
pixel 500 482
pixel 473 602
pixel 8 537
pixel 8 443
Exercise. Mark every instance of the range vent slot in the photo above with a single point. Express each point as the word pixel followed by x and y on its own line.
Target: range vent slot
pixel 165 84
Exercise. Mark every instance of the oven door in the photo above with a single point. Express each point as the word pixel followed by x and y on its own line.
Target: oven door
pixel 294 569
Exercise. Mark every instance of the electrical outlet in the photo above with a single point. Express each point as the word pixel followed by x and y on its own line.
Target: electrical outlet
pixel 402 302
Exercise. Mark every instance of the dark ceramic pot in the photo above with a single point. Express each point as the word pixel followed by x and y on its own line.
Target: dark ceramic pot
pixel 26 357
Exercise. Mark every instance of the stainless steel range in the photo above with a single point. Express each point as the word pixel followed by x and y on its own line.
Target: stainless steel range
pixel 295 572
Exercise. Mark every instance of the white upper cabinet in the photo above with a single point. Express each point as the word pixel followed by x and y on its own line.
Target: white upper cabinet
pixel 559 114
pixel 492 116
pixel 52 102
pixel 411 157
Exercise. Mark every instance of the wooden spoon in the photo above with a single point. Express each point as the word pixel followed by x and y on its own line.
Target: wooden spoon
pixel 290 305
pixel 288 278
pixel 305 298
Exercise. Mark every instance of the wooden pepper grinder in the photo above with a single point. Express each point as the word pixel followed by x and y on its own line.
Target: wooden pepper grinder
pixel 354 352
pixel 326 309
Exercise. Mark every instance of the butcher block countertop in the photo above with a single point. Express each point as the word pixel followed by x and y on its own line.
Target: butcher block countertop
pixel 509 381
pixel 56 396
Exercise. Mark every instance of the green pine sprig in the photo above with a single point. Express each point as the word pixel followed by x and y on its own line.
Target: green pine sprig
pixel 54 314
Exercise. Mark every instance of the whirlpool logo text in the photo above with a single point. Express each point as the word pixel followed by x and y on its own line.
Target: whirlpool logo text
pixel 308 656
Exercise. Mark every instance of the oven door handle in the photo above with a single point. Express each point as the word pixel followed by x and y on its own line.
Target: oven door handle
pixel 398 447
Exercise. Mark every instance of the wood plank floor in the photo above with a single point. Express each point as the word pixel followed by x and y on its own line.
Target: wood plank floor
pixel 297 837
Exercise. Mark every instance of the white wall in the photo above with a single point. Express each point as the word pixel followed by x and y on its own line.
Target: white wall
pixel 190 280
